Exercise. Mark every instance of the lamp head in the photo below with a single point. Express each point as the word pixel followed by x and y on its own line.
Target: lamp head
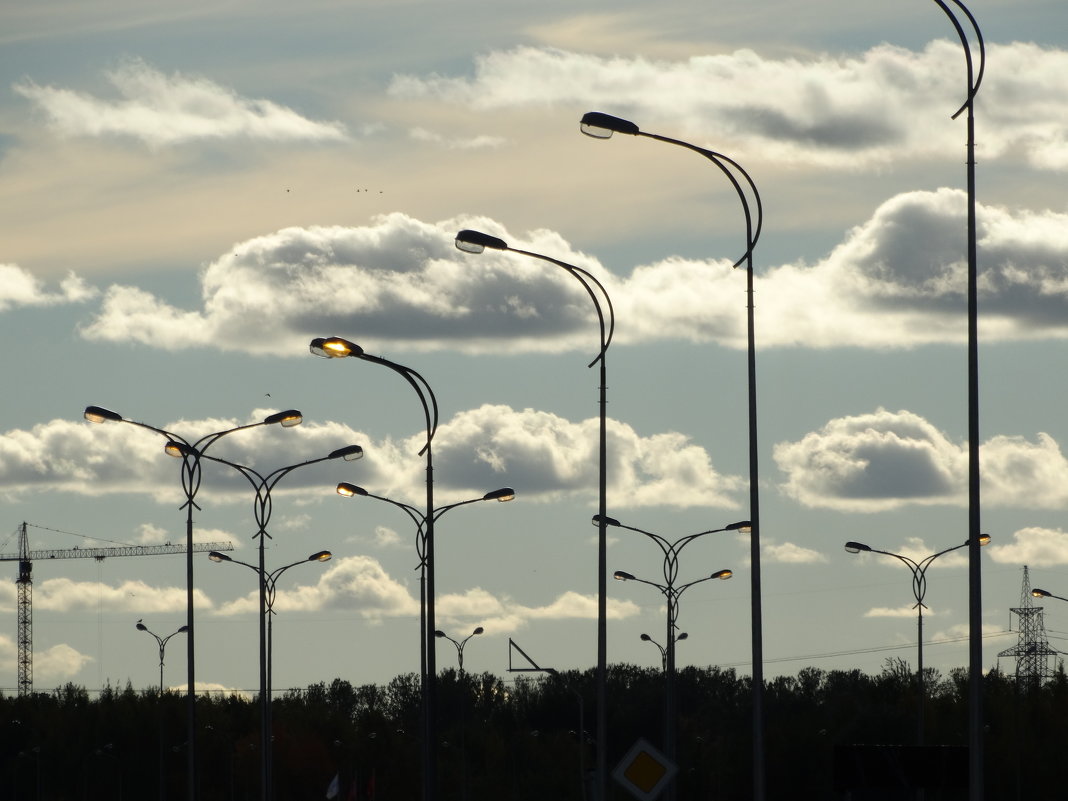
pixel 622 575
pixel 320 556
pixel 334 347
pixel 141 626
pixel 475 242
pixel 348 490
pixel 287 419
pixel 478 630
pixel 439 634
pixel 215 556
pixel 722 574
pixel 349 453
pixel 608 521
pixel 502 495
pixel 1037 593
pixel 856 547
pixel 744 526
pixel 984 539
pixel 645 638
pixel 183 630
pixel 682 636
pixel 601 126
pixel 98 414
pixel 178 449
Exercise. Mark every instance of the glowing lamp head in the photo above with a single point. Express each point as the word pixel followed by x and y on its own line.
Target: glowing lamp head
pixel 320 556
pixel 98 414
pixel 722 574
pixel 334 348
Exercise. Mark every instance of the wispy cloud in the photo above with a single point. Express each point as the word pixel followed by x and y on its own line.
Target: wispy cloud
pixel 162 110
pixel 1040 547
pixel 842 112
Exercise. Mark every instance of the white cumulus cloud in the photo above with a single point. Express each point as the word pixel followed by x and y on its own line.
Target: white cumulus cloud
pixel 20 288
pixel 1041 547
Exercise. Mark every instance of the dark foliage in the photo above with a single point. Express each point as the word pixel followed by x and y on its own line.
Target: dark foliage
pixel 523 739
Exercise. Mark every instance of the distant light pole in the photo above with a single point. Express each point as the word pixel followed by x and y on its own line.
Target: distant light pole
pixel 459 645
pixel 663 651
pixel 919 590
pixel 261 510
pixel 190 455
pixel 671 595
pixel 974 76
pixel 601 126
pixel 162 643
pixel 475 242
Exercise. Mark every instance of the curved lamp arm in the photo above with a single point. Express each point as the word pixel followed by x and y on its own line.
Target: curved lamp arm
pixel 975 75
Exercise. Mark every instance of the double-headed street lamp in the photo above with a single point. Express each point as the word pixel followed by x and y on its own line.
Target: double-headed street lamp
pixel 601 126
pixel 459 645
pixel 162 643
pixel 671 552
pixel 919 590
pixel 476 242
pixel 190 455
pixel 262 508
pixel 671 594
pixel 663 651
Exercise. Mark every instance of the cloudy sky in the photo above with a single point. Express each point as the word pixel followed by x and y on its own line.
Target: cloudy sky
pixel 188 195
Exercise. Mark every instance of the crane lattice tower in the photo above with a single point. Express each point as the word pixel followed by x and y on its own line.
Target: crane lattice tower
pixel 1032 651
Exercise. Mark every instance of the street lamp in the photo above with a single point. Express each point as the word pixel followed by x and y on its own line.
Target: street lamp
pixel 162 643
pixel 459 645
pixel 919 590
pixel 601 126
pixel 476 242
pixel 261 509
pixel 1037 593
pixel 974 77
pixel 663 651
pixel 190 455
pixel 671 594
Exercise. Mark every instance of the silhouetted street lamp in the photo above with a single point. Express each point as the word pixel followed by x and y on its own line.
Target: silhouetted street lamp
pixel 919 590
pixel 162 643
pixel 663 651
pixel 475 242
pixel 262 508
pixel 601 126
pixel 459 645
pixel 671 595
pixel 974 77
pixel 190 455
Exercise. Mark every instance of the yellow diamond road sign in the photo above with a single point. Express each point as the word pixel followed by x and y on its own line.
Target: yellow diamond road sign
pixel 644 771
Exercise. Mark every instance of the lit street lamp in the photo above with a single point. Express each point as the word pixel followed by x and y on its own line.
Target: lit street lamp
pixel 1037 593
pixel 459 645
pixel 601 126
pixel 262 508
pixel 919 590
pixel 190 453
pixel 476 242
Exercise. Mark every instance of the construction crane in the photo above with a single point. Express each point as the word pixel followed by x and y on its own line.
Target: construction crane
pixel 24 582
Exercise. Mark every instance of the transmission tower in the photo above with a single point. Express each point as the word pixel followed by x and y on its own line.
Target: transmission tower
pixel 1032 652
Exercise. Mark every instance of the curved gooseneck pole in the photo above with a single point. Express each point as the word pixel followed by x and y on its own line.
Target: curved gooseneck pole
pixel 475 242
pixel 601 126
pixel 974 77
pixel 190 454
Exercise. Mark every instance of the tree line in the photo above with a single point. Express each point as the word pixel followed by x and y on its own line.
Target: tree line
pixel 531 738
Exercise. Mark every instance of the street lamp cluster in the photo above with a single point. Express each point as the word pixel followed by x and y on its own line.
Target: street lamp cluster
pixel 598 125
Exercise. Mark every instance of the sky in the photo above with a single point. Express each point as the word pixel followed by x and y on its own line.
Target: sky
pixel 190 193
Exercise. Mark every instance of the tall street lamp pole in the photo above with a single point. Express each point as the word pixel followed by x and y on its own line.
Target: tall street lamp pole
pixel 476 242
pixel 671 552
pixel 601 126
pixel 261 509
pixel 974 76
pixel 190 454
pixel 919 590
